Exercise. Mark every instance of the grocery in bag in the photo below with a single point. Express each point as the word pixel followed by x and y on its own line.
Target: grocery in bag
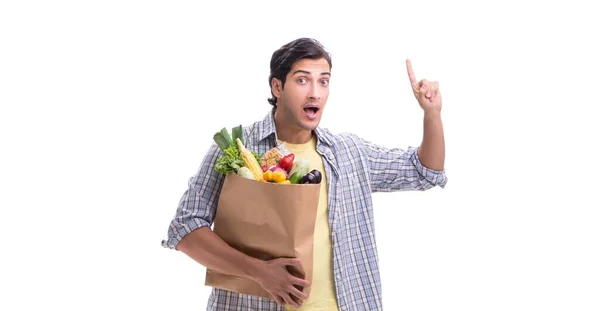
pixel 267 209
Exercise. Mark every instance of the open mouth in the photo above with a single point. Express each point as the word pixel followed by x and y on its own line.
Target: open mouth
pixel 312 110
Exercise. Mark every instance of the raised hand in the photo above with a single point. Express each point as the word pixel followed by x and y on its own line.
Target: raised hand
pixel 426 92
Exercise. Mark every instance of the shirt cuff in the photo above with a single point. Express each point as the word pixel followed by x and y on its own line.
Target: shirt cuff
pixel 178 230
pixel 434 177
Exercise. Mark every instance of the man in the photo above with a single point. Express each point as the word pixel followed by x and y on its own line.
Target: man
pixel 345 272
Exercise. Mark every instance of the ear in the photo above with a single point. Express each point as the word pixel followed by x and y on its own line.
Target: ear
pixel 276 87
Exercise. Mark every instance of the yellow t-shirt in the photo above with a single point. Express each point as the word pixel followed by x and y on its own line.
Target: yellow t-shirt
pixel 322 295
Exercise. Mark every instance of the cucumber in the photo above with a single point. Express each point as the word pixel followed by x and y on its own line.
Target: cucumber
pixel 295 177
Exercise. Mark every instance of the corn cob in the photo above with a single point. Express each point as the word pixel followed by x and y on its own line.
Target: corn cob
pixel 250 161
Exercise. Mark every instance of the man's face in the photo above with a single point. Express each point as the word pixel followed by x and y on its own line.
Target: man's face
pixel 301 102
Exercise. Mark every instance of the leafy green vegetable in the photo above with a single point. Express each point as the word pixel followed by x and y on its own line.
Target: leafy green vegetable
pixel 222 139
pixel 230 161
pixel 237 132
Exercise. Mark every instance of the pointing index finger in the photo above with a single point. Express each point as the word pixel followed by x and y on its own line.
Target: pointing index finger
pixel 411 75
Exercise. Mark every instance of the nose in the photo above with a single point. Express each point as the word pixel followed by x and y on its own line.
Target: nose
pixel 314 94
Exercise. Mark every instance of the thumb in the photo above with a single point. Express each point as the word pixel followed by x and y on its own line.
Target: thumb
pixel 425 90
pixel 415 86
pixel 289 261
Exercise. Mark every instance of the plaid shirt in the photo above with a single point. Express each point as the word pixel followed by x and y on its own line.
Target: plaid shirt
pixel 355 169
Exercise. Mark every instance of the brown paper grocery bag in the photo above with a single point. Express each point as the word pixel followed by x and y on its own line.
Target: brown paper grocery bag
pixel 266 221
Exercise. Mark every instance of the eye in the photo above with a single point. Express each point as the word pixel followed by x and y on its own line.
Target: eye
pixel 325 82
pixel 301 80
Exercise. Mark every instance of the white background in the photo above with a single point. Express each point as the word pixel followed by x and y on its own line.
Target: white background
pixel 107 108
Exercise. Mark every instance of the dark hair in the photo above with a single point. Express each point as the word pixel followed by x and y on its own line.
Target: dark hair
pixel 284 58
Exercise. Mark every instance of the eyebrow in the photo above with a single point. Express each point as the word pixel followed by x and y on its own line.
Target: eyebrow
pixel 308 73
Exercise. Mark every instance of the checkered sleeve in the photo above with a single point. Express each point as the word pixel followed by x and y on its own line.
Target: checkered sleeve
pixel 397 169
pixel 197 207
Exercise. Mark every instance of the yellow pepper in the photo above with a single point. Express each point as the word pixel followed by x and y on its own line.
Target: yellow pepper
pixel 276 177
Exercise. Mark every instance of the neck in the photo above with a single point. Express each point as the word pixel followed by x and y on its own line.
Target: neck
pixel 290 134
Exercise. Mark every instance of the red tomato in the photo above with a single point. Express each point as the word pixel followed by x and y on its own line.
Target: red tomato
pixel 287 162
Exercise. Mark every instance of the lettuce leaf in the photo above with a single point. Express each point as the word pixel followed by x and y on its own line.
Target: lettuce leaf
pixel 229 161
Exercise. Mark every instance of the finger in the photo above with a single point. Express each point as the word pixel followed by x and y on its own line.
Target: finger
pixel 290 301
pixel 289 261
pixel 295 263
pixel 296 292
pixel 430 90
pixel 436 86
pixel 411 74
pixel 278 299
pixel 425 88
pixel 298 281
pixel 415 86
